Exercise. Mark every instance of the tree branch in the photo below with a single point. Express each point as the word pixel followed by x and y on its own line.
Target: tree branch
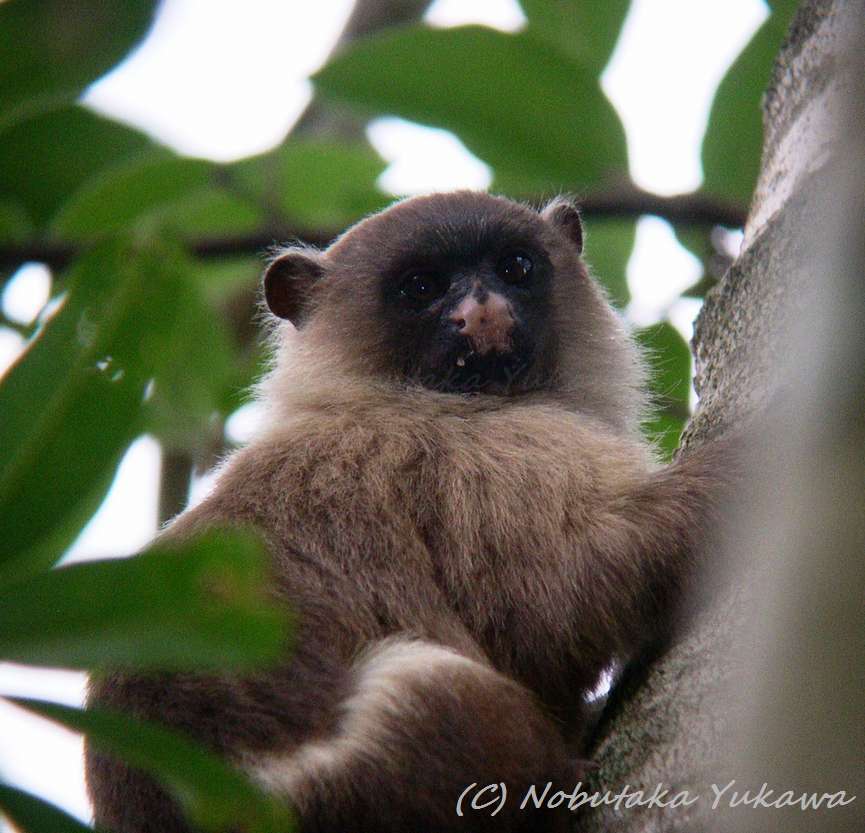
pixel 174 481
pixel 330 118
pixel 692 209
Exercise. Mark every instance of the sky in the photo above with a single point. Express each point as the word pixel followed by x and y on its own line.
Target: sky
pixel 180 87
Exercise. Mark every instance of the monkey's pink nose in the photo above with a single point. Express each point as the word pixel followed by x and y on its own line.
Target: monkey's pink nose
pixel 486 324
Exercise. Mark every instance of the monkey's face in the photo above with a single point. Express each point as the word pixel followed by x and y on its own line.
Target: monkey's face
pixel 466 308
pixel 453 292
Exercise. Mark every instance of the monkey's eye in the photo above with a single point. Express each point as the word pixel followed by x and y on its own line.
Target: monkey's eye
pixel 514 268
pixel 422 287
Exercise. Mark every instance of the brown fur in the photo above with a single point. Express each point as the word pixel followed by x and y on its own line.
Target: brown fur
pixel 463 567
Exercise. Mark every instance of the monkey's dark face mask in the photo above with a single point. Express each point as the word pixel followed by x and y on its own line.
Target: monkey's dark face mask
pixel 450 292
pixel 476 323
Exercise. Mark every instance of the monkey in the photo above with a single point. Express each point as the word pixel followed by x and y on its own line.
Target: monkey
pixel 461 514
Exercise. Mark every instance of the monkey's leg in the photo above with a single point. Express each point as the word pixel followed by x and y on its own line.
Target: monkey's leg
pixel 236 717
pixel 420 725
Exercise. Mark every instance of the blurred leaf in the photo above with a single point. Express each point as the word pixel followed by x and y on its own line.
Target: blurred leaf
pixel 191 388
pixel 586 31
pixel 52 49
pixel 536 115
pixel 211 211
pixel 697 240
pixel 156 189
pixel 701 288
pixel 318 184
pixel 670 362
pixel 664 431
pixel 250 366
pixel 112 200
pixel 609 244
pixel 784 7
pixel 669 359
pixel 733 142
pixel 72 402
pixel 45 159
pixel 62 535
pixel 15 225
pixel 195 605
pixel 232 286
pixel 30 814
pixel 214 796
pixel 222 278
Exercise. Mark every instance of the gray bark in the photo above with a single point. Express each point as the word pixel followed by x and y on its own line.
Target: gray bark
pixel 767 685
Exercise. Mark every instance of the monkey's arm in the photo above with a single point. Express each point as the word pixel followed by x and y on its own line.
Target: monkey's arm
pixel 643 546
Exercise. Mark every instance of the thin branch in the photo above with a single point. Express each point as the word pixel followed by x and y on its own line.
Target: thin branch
pixel 368 17
pixel 57 255
pixel 691 209
pixel 174 482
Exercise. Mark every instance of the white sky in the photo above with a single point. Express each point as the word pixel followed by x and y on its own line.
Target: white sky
pixel 226 80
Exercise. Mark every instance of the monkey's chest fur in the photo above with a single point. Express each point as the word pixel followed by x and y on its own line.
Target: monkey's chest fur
pixel 461 529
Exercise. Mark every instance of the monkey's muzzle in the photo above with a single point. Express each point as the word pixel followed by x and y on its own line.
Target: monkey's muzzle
pixel 486 324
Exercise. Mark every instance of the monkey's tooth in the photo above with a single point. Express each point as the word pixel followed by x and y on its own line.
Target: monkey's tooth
pixel 461 361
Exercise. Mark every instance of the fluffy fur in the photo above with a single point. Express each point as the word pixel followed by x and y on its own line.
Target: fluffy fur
pixel 463 565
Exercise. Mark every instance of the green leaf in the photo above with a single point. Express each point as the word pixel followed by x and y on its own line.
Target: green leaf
pixel 71 403
pixel 250 365
pixel 30 814
pixel 45 159
pixel 232 286
pixel 115 198
pixel 221 279
pixel 669 359
pixel 158 189
pixel 586 31
pixel 211 211
pixel 212 794
pixel 609 244
pixel 670 362
pixel 733 142
pixel 62 535
pixel 698 241
pixel 197 605
pixel 317 184
pixel 536 115
pixel 52 49
pixel 15 225
pixel 191 389
pixel 664 431
pixel 785 7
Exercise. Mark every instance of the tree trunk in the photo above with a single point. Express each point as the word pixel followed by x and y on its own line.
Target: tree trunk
pixel 767 684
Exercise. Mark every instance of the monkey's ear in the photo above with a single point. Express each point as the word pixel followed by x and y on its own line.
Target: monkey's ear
pixel 564 214
pixel 288 282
